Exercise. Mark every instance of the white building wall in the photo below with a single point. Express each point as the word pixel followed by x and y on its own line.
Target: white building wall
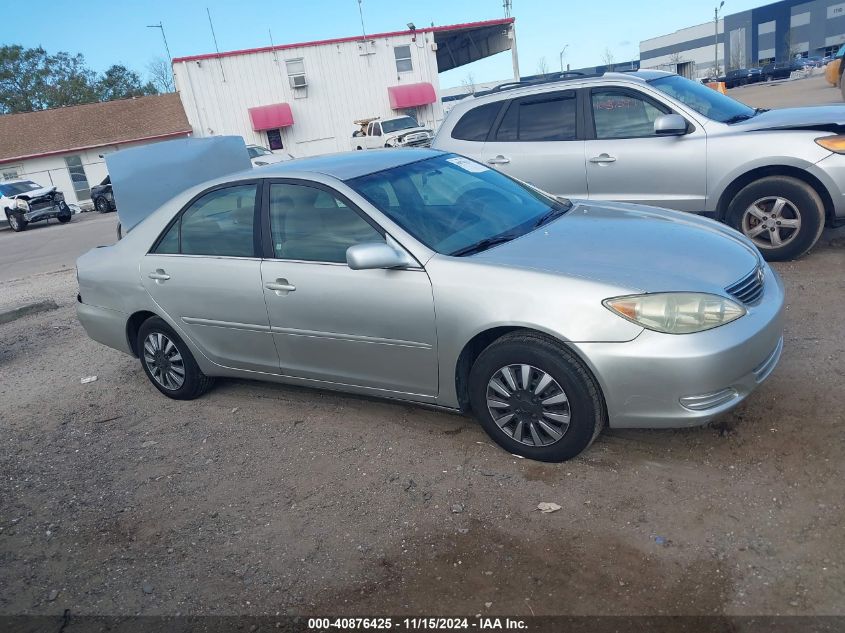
pixel 693 44
pixel 343 85
pixel 52 170
pixel 682 36
pixel 702 57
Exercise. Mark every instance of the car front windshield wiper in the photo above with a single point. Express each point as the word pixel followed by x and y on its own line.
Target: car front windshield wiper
pixel 484 244
pixel 555 212
pixel 739 117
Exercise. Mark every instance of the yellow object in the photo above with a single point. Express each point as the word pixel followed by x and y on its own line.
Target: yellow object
pixel 718 86
pixel 831 72
pixel 833 143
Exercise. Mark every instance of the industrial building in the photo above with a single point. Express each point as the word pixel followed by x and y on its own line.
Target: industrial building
pixel 775 32
pixel 305 97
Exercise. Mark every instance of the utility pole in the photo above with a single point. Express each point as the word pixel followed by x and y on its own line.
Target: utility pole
pixel 716 40
pixel 562 53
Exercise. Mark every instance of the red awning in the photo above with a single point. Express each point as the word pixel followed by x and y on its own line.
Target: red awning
pixel 411 95
pixel 270 117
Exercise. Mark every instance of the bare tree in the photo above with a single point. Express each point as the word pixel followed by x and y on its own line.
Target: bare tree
pixel 469 83
pixel 791 50
pixel 542 67
pixel 161 75
pixel 608 58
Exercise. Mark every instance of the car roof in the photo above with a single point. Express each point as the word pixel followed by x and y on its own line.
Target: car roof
pixel 348 165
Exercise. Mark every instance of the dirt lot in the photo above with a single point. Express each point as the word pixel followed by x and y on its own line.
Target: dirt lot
pixel 813 90
pixel 259 499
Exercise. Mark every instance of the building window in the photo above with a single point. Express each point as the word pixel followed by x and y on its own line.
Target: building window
pixel 296 73
pixel 78 177
pixel 403 59
pixel 766 60
pixel 11 172
pixel 274 139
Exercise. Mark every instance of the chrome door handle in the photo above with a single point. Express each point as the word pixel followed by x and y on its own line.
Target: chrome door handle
pixel 498 160
pixel 603 158
pixel 281 287
pixel 159 275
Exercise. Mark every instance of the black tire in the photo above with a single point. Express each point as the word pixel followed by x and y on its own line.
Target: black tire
pixel 16 221
pixel 102 205
pixel 585 403
pixel 64 218
pixel 195 382
pixel 801 196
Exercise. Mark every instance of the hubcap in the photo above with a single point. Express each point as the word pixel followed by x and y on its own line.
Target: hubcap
pixel 771 222
pixel 13 221
pixel 528 405
pixel 163 360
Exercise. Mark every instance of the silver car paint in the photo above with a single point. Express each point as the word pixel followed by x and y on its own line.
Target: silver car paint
pixel 400 333
pixel 687 173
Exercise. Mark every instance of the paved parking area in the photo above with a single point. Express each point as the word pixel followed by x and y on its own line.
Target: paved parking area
pixel 787 94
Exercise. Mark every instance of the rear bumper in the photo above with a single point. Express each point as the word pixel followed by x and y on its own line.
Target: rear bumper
pixel 665 381
pixel 104 326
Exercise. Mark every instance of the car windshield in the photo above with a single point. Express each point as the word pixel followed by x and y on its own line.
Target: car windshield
pixel 402 123
pixel 714 105
pixel 257 151
pixel 16 188
pixel 456 206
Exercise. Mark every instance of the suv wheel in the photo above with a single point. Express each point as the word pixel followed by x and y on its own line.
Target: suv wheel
pixel 168 362
pixel 783 216
pixel 102 205
pixel 16 221
pixel 535 398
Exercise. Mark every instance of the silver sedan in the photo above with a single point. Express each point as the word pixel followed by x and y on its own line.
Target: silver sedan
pixel 426 277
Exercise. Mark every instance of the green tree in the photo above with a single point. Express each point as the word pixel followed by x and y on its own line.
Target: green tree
pixel 118 82
pixel 31 79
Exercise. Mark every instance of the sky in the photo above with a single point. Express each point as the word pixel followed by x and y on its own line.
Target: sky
pixel 115 32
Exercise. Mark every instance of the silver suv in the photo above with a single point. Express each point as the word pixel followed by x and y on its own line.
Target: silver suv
pixel 656 138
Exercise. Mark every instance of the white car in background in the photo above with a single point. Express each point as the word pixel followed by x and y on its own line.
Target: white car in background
pixel 397 131
pixel 23 202
pixel 260 156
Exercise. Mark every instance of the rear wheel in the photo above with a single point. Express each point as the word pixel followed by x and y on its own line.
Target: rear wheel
pixel 535 398
pixel 64 217
pixel 168 362
pixel 102 205
pixel 783 216
pixel 16 221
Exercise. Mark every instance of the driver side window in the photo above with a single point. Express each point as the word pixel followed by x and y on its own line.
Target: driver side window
pixel 311 224
pixel 623 114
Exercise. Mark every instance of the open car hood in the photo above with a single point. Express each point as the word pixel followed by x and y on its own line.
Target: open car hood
pixel 143 178
pixel 823 118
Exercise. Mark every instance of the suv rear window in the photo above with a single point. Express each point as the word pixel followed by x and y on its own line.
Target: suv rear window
pixel 475 124
pixel 542 118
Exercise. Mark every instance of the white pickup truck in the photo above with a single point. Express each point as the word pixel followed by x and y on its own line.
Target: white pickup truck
pixel 398 131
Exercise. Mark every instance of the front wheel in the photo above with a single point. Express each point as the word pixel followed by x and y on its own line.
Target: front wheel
pixel 783 216
pixel 64 218
pixel 535 398
pixel 17 221
pixel 168 362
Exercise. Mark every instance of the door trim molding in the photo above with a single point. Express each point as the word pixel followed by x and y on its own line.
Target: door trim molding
pixel 356 338
pixel 232 325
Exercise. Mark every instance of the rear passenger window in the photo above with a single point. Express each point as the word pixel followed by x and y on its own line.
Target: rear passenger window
pixel 475 124
pixel 219 223
pixel 546 118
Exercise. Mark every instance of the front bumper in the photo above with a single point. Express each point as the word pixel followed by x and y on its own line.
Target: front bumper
pixel 671 381
pixel 46 212
pixel 831 172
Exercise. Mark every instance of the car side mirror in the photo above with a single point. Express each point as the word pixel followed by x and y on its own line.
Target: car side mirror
pixel 670 125
pixel 371 255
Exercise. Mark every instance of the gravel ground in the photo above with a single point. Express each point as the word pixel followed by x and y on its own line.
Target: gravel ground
pixel 264 499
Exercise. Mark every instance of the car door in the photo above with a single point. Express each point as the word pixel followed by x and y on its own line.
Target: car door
pixel 374 135
pixel 205 275
pixel 536 139
pixel 366 328
pixel 627 161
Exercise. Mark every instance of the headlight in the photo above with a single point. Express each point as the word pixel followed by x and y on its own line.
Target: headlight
pixel 835 143
pixel 23 205
pixel 676 312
